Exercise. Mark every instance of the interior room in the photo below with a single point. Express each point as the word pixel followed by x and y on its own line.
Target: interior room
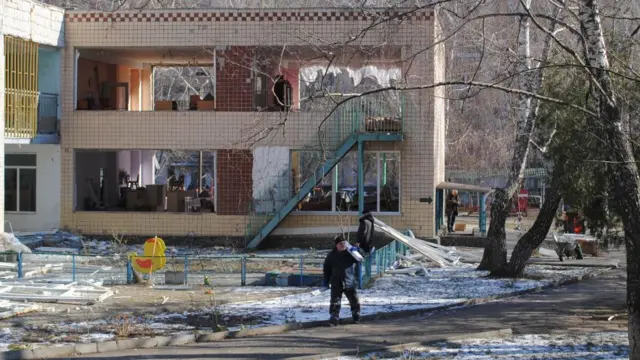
pixel 224 78
pixel 145 180
pixel 123 79
pixel 381 182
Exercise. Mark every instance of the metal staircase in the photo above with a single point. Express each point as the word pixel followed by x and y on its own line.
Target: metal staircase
pixel 351 124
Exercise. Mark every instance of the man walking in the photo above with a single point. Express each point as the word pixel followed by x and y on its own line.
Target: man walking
pixel 339 273
pixel 451 209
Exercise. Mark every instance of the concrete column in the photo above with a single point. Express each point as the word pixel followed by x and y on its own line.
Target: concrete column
pixel 124 161
pixel 136 162
pixel 2 80
pixel 147 167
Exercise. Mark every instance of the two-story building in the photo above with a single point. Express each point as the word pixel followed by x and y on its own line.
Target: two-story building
pixel 250 122
pixel 32 35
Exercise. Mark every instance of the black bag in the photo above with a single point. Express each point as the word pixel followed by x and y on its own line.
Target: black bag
pixel 365 232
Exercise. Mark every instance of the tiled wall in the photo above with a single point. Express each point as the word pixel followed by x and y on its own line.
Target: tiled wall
pixel 420 152
pixel 33 21
pixel 233 79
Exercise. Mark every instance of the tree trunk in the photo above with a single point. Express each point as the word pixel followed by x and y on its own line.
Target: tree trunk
pixel 623 170
pixel 494 257
pixel 495 253
pixel 536 234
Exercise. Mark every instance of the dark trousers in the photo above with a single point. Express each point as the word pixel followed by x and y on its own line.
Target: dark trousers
pixel 451 219
pixel 336 299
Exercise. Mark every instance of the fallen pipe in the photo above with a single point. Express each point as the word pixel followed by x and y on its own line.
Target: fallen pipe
pixel 433 254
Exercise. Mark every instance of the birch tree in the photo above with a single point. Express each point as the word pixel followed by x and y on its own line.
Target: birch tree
pixel 624 171
pixel 529 81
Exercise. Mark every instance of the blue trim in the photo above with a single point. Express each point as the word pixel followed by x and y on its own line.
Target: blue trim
pixel 380 137
pixel 360 177
pixel 20 274
pixel 439 208
pixel 73 267
pixel 482 218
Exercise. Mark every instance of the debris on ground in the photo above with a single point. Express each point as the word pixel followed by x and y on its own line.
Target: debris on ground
pixel 443 256
pixel 595 345
pixel 74 293
pixel 10 243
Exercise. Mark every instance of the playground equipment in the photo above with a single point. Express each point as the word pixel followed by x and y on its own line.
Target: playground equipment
pixel 153 258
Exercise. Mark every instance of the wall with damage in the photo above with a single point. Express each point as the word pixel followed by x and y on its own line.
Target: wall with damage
pixel 271 178
pixel 47 215
pixel 233 130
pixel 31 20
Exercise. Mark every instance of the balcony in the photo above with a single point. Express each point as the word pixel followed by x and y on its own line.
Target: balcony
pixel 48 114
pixel 20 113
pixel 22 107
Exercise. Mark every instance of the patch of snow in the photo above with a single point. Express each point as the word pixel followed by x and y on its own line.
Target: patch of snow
pixel 389 293
pixel 261 289
pixel 396 293
pixel 95 337
pixel 597 345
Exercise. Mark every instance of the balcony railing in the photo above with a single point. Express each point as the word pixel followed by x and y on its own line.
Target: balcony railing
pixel 21 113
pixel 48 113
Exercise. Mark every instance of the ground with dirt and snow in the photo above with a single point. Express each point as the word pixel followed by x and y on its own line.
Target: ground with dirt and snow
pixel 388 294
pixel 598 345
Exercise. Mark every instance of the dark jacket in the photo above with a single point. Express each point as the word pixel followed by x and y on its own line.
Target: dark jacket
pixel 451 206
pixel 339 270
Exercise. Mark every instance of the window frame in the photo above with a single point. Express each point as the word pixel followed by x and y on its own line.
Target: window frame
pixel 18 171
pixel 335 185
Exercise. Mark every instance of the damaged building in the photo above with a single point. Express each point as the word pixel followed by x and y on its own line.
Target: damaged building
pixel 239 123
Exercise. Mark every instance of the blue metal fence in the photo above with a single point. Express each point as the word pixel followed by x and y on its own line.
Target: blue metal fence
pixel 212 270
pixel 381 260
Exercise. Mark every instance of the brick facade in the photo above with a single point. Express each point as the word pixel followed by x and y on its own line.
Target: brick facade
pixel 233 79
pixel 235 184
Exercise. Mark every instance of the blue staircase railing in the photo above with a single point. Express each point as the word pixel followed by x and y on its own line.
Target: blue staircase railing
pixel 370 118
pixel 305 189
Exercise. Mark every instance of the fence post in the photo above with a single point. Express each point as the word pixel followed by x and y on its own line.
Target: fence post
pixel 186 269
pixel 20 265
pixel 243 271
pixel 73 267
pixel 129 272
pixel 360 275
pixel 383 268
pixel 301 271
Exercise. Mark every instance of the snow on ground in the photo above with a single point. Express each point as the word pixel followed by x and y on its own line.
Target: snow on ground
pixel 397 293
pixel 387 294
pixel 599 345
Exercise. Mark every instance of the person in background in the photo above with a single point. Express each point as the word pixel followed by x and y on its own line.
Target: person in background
pixel 339 273
pixel 451 208
pixel 206 200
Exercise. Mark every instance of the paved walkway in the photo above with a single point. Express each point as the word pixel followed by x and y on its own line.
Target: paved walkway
pixel 584 306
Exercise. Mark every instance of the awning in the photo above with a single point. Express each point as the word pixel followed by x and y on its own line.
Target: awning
pixel 463 187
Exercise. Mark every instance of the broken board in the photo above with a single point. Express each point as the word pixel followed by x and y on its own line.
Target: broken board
pixel 85 293
pixel 10 309
pixel 439 254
